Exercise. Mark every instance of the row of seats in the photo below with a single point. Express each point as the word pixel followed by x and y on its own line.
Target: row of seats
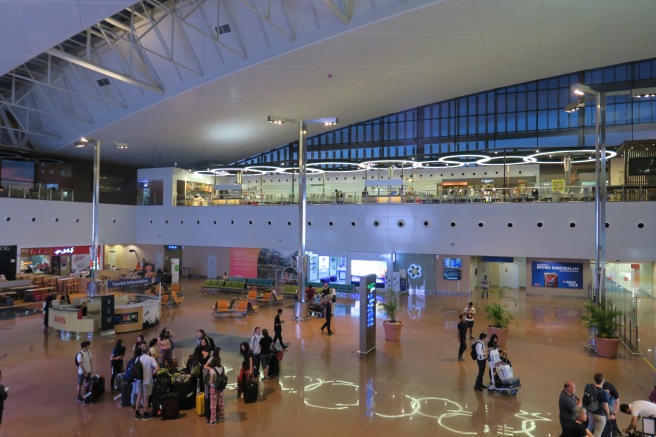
pixel 223 285
pixel 340 288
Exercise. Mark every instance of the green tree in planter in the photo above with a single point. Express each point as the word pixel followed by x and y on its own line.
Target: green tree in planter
pixel 497 313
pixel 390 305
pixel 605 320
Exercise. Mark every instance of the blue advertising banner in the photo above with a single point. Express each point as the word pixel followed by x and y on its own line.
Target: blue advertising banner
pixel 550 274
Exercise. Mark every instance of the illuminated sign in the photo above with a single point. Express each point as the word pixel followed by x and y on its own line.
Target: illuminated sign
pixel 67 251
pixel 172 247
pixel 414 271
pixel 126 319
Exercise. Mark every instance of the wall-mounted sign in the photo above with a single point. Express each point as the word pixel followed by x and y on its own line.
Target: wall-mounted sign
pixel 172 247
pixel 126 318
pixel 556 275
pixel 128 282
pixel 66 251
pixel 69 250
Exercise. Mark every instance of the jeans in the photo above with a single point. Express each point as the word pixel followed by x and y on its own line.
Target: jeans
pixel 596 424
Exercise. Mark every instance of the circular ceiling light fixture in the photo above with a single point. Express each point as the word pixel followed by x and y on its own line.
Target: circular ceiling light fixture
pixel 338 166
pixel 578 156
pixel 385 163
pixel 507 160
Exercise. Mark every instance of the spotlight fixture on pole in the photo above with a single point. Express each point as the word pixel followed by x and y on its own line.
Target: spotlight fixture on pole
pixel 96 259
pixel 301 307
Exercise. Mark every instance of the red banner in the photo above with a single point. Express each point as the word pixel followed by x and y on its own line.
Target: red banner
pixel 243 262
pixel 68 250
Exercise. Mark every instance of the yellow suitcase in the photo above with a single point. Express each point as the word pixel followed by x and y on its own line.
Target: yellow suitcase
pixel 200 404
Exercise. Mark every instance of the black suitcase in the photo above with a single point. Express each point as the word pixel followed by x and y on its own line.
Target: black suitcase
pixel 251 391
pixel 95 388
pixel 274 366
pixel 126 395
pixel 170 406
pixel 187 393
pixel 160 387
pixel 509 383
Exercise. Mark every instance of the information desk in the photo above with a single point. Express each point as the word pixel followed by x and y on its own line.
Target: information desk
pixel 144 313
pixel 69 318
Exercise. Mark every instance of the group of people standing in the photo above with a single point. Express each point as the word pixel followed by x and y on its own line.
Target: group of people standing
pixel 594 415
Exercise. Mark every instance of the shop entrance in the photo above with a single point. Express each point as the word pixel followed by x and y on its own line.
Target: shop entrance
pixel 8 261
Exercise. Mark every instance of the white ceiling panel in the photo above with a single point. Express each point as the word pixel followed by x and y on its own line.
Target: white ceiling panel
pixel 296 59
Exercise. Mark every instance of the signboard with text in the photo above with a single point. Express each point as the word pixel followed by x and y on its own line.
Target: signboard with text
pixel 128 282
pixel 549 274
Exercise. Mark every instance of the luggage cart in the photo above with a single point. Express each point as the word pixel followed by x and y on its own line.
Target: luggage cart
pixel 502 378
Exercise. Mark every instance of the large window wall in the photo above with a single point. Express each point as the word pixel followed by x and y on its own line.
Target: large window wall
pixel 524 116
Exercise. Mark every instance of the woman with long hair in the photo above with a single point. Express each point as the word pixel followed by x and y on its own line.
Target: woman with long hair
pixel 164 345
pixel 116 361
pixel 246 371
pixel 215 393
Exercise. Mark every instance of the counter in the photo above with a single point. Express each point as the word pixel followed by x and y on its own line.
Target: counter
pixel 144 313
pixel 68 318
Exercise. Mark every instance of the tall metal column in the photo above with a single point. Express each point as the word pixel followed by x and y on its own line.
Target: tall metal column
pixel 600 198
pixel 95 218
pixel 301 308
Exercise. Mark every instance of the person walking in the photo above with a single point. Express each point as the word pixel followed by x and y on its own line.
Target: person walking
pixel 84 369
pixel 265 352
pixel 328 311
pixel 481 359
pixel 116 361
pixel 462 336
pixel 566 404
pixel 277 329
pixel 255 347
pixel 470 314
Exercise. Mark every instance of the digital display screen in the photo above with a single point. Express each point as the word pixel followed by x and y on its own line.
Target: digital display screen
pixel 642 166
pixel 365 267
pixel 452 269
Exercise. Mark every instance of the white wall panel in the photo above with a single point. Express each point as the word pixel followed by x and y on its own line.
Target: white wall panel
pixel 194 226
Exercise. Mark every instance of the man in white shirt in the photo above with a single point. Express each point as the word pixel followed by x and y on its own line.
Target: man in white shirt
pixel 485 284
pixel 84 369
pixel 470 313
pixel 481 359
pixel 255 347
pixel 637 409
pixel 145 386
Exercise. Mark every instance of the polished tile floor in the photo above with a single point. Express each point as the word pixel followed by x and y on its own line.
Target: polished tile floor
pixel 413 387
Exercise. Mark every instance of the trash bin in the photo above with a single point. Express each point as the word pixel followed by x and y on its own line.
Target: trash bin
pixel 186 271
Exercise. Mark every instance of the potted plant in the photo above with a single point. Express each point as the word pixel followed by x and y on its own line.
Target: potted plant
pixel 605 321
pixel 497 314
pixel 391 326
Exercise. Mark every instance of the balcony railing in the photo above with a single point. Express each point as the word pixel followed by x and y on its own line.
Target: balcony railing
pixel 37 193
pixel 443 195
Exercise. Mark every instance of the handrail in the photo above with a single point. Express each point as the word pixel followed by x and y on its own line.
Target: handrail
pixel 38 192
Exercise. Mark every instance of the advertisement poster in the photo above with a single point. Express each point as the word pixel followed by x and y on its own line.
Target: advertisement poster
pixel 549 274
pixel 243 262
pixel 175 270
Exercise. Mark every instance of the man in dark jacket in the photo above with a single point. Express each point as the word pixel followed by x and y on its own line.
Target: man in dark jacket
pixel 328 310
pixel 462 336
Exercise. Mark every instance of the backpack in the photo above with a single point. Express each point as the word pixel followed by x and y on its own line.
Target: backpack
pixel 128 370
pixel 590 399
pixel 222 380
pixel 474 355
pixel 77 362
pixel 137 371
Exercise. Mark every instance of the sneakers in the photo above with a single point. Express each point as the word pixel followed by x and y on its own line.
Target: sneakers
pixel 461 359
pixel 146 416
pixel 137 415
pixel 221 419
pixel 266 378
pixel 79 399
pixel 471 338
pixel 212 422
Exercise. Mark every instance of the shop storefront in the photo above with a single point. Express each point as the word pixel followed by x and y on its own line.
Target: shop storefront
pixel 60 261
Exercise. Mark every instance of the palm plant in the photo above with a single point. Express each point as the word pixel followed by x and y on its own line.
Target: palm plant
pixel 497 313
pixel 390 305
pixel 604 319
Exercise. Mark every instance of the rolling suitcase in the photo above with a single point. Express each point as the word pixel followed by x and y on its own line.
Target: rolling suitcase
pixel 126 395
pixel 170 406
pixel 160 388
pixel 119 381
pixel 95 388
pixel 274 366
pixel 251 391
pixel 200 401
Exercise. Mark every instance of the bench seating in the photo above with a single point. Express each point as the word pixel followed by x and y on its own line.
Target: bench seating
pixel 223 308
pixel 223 285
pixel 289 290
pixel 259 282
pixel 340 288
pixel 267 297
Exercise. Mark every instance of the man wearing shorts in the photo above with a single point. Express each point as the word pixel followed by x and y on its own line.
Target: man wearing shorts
pixel 470 313
pixel 83 359
pixel 145 386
